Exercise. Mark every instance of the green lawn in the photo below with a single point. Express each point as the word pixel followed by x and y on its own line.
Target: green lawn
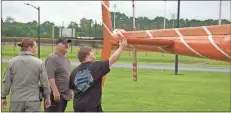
pixel 160 90
pixel 142 57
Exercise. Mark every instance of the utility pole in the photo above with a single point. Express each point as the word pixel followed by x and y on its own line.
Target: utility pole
pixel 72 36
pixel 38 8
pixel 95 28
pixel 134 19
pixel 220 8
pixel 164 12
pixel 62 29
pixel 38 32
pixel 114 15
pixel 173 17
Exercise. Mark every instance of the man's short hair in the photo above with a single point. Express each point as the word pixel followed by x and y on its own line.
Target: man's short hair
pixel 83 52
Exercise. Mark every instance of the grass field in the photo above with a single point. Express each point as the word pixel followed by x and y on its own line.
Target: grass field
pixel 142 57
pixel 160 90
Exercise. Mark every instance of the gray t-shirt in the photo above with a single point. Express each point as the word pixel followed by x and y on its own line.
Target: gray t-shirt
pixel 59 68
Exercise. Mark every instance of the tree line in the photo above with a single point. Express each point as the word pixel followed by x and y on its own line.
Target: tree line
pixel 90 28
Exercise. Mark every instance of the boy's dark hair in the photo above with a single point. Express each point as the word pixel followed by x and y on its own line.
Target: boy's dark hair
pixel 83 52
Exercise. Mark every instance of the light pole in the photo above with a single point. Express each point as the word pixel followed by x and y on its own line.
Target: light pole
pixel 38 8
pixel 173 17
pixel 114 15
pixel 164 12
pixel 219 22
pixel 134 18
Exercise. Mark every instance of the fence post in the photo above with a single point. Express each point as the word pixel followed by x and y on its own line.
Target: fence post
pixel 14 43
pixel 3 44
pixel 52 44
pixel 71 47
pixel 53 35
pixel 92 44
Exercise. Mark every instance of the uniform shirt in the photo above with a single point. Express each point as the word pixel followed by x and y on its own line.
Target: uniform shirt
pixel 23 76
pixel 88 95
pixel 59 68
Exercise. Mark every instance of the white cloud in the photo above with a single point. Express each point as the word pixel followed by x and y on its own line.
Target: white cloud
pixel 59 11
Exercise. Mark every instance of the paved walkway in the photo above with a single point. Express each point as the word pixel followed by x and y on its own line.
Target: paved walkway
pixel 160 66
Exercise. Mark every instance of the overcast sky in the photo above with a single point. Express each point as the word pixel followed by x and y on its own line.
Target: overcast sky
pixel 59 11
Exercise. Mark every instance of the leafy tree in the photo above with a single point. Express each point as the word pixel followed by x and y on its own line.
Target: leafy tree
pixel 90 28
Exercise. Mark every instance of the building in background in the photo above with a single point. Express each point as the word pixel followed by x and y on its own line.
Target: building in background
pixel 67 32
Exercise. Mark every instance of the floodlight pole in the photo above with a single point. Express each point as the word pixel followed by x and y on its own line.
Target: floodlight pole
pixel 164 12
pixel 114 15
pixel 38 8
pixel 220 8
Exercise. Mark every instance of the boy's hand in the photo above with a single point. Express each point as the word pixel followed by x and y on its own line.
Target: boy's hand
pixel 123 43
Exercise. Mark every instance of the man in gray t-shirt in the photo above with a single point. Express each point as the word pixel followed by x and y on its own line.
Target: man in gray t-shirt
pixel 58 70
